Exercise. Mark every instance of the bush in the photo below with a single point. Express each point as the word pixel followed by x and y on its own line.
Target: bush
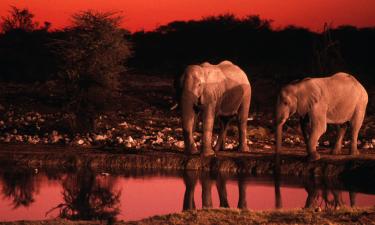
pixel 92 55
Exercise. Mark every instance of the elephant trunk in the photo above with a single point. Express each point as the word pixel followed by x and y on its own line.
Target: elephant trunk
pixel 280 120
pixel 188 118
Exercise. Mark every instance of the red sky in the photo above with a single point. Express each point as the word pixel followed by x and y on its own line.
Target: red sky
pixel 148 14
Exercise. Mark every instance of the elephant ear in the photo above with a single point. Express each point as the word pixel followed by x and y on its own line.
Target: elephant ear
pixel 307 96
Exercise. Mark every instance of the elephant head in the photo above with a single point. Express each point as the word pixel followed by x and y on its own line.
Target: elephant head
pixel 286 106
pixel 191 83
pixel 297 97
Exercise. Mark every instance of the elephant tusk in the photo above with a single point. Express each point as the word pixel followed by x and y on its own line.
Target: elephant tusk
pixel 174 107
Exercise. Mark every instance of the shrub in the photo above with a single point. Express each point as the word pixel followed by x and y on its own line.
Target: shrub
pixel 92 53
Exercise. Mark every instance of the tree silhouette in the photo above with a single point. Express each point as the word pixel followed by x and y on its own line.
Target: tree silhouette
pixel 92 56
pixel 19 19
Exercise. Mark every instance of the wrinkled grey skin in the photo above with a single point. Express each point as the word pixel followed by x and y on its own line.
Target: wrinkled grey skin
pixel 221 91
pixel 337 99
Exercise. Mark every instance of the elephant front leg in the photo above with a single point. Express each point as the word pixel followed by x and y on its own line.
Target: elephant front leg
pixel 188 124
pixel 208 124
pixel 319 126
pixel 304 122
pixel 243 114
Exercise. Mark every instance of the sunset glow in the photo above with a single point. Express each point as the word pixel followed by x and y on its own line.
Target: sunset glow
pixel 148 14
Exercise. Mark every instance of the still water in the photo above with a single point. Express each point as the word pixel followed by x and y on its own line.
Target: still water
pixel 33 194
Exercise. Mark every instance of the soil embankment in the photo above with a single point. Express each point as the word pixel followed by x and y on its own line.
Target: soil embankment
pixel 290 163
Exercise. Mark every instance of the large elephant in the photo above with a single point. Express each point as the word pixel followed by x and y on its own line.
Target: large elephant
pixel 337 99
pixel 222 91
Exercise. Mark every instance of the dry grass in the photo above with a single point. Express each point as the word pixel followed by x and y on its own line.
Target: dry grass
pixel 235 216
pixel 232 216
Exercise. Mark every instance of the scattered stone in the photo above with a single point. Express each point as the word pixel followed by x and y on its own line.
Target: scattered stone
pixel 267 147
pixel 229 146
pixel 80 142
pixel 119 140
pixel 101 137
pixel 179 144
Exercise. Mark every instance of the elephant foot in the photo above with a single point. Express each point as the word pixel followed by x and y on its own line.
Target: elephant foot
pixel 313 156
pixel 354 152
pixel 244 148
pixel 207 152
pixel 336 151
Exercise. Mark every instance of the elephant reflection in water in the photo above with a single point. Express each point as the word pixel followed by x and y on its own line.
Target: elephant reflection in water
pixel 20 186
pixel 89 197
pixel 207 180
pixel 325 196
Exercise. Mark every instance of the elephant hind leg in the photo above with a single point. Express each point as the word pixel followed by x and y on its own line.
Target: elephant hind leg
pixel 304 122
pixel 356 124
pixel 220 143
pixel 341 129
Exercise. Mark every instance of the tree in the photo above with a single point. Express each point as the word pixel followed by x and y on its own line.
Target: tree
pixel 19 19
pixel 92 58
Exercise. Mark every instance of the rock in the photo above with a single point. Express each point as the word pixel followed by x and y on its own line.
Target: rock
pixel 80 142
pixel 229 146
pixel 373 141
pixel 179 144
pixel 366 146
pixel 166 129
pixel 119 140
pixel 130 139
pixel 128 145
pixel 267 147
pixel 158 140
pixel 101 137
pixel 249 142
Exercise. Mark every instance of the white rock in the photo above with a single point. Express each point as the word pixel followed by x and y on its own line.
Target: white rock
pixel 158 140
pixel 80 142
pixel 249 142
pixel 229 146
pixel 130 139
pixel 366 146
pixel 119 140
pixel 128 145
pixel 179 144
pixel 267 147
pixel 100 137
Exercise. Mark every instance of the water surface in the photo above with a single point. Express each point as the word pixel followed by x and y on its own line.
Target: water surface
pixel 29 194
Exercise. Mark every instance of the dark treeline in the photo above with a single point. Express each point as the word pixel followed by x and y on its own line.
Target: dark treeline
pixel 251 42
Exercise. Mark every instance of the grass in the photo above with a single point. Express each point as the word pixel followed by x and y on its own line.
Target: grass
pixel 235 216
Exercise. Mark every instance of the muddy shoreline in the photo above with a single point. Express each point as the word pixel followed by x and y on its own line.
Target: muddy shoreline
pixel 360 167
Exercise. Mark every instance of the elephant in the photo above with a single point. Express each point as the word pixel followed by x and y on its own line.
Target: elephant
pixel 220 91
pixel 338 99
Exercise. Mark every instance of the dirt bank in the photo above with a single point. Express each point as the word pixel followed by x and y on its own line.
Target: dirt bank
pixel 291 163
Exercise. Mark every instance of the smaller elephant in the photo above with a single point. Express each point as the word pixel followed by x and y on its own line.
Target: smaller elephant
pixel 217 91
pixel 337 99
